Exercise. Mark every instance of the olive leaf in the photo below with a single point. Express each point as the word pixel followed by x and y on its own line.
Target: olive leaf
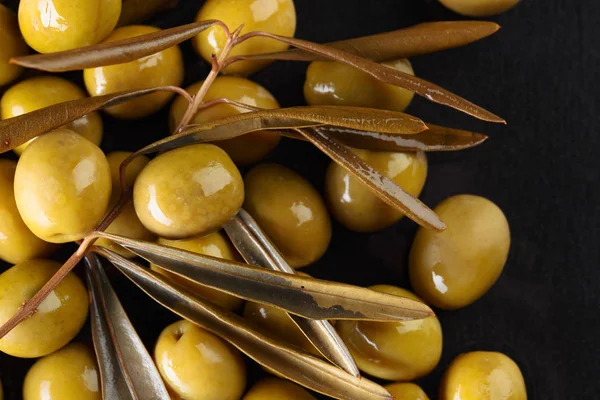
pixel 126 369
pixel 115 52
pixel 257 249
pixel 413 41
pixel 306 297
pixel 135 11
pixel 288 361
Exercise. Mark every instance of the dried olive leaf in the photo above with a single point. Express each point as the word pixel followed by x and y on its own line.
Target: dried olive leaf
pixel 111 53
pixel 413 41
pixel 257 249
pixel 127 371
pixel 307 297
pixel 135 11
pixel 290 362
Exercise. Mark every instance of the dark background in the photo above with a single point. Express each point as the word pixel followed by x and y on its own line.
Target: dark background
pixel 538 72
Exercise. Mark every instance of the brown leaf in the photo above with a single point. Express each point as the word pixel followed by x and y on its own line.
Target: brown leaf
pixel 136 11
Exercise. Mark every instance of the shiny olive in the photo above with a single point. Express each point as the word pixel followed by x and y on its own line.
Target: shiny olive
pixel 164 68
pixel 12 46
pixel 453 268
pixel 398 351
pixel 271 388
pixel 188 192
pixel 273 16
pixel 479 8
pixel 197 365
pixel 62 186
pixel 290 211
pixel 245 149
pixel 17 242
pixel 44 91
pixel 353 205
pixel 57 25
pixel 482 375
pixel 56 320
pixel 334 83
pixel 70 373
pixel 406 391
pixel 215 245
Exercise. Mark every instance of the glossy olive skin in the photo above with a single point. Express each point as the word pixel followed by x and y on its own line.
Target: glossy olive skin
pixel 57 319
pixel 290 211
pixel 17 242
pixel 215 245
pixel 271 388
pixel 70 373
pixel 243 150
pixel 479 8
pixel 334 83
pixel 62 186
pixel 273 16
pixel 399 351
pixel 406 391
pixel 453 268
pixel 44 91
pixel 197 365
pixel 58 25
pixel 482 375
pixel 187 192
pixel 12 45
pixel 355 206
pixel 164 68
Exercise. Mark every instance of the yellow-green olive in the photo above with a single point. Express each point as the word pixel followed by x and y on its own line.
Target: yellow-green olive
pixel 164 68
pixel 273 16
pixel 69 373
pixel 12 46
pixel 57 25
pixel 188 192
pixel 56 320
pixel 245 149
pixel 62 186
pixel 482 375
pixel 353 205
pixel 399 351
pixel 406 391
pixel 17 242
pixel 215 245
pixel 290 211
pixel 453 268
pixel 44 91
pixel 334 83
pixel 479 8
pixel 271 388
pixel 197 365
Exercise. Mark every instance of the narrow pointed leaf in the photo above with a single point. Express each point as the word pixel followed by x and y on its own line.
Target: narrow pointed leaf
pixel 115 52
pixel 306 297
pixel 290 362
pixel 136 11
pixel 257 249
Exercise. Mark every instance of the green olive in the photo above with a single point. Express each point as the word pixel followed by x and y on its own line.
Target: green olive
pixel 353 205
pixel 12 46
pixel 271 388
pixel 479 8
pixel 215 245
pixel 44 91
pixel 290 211
pixel 482 375
pixel 62 186
pixel 273 16
pixel 197 365
pixel 57 319
pixel 69 373
pixel 406 391
pixel 245 149
pixel 398 351
pixel 453 268
pixel 57 25
pixel 17 242
pixel 334 83
pixel 164 68
pixel 188 191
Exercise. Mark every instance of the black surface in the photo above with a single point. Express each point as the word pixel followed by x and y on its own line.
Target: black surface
pixel 539 72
